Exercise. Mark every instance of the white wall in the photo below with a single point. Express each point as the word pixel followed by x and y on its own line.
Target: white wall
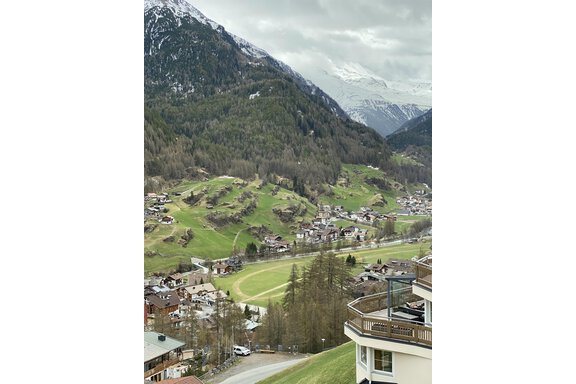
pixel 406 369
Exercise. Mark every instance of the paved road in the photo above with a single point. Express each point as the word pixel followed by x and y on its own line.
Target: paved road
pixel 256 374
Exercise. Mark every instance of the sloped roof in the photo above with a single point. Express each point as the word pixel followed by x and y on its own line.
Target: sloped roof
pixel 156 300
pixel 250 325
pixel 200 287
pixel 153 347
pixel 217 295
pixel 175 276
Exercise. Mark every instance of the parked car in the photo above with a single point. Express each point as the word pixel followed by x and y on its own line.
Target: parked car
pixel 241 351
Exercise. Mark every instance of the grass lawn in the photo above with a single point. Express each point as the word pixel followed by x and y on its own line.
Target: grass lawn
pixel 335 366
pixel 255 279
pixel 257 283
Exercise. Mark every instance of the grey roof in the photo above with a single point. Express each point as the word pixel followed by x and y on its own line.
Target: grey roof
pixel 250 325
pixel 154 348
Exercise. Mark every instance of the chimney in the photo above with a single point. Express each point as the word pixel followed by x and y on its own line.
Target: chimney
pixel 162 337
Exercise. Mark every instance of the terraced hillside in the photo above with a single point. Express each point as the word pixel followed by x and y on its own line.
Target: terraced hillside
pixel 218 217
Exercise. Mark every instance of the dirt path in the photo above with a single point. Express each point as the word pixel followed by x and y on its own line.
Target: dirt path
pixel 265 292
pixel 236 238
pixel 242 295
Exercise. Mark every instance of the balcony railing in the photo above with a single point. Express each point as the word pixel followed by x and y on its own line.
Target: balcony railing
pixel 361 317
pixel 160 367
pixel 424 273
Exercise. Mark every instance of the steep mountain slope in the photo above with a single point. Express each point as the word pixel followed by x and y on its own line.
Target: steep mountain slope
pixel 161 16
pixel 214 101
pixel 417 132
pixel 414 140
pixel 369 99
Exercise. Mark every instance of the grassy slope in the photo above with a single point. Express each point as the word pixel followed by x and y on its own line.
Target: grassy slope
pixel 401 159
pixel 358 193
pixel 210 242
pixel 216 243
pixel 336 366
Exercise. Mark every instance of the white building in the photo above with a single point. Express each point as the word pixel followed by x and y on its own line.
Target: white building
pixel 393 330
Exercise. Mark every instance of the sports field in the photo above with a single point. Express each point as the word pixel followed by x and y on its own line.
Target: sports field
pixel 258 283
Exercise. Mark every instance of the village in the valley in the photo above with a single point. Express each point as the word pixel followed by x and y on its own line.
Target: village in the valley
pixel 174 298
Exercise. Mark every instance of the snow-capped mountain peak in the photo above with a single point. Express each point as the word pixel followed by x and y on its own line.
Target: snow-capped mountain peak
pixel 380 103
pixel 351 72
pixel 180 8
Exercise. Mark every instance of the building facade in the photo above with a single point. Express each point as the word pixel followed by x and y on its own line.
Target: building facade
pixel 393 330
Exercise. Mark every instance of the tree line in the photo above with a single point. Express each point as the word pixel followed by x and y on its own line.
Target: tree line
pixel 313 307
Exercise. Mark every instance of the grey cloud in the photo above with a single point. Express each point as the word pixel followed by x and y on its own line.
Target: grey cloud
pixel 393 38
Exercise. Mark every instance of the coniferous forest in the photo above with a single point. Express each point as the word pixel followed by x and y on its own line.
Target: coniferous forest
pixel 210 106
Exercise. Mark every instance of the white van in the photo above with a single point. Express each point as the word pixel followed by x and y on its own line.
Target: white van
pixel 241 351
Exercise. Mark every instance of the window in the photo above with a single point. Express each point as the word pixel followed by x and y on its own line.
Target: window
pixel 363 355
pixel 383 360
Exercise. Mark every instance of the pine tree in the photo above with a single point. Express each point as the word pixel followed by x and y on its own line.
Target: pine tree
pixel 290 293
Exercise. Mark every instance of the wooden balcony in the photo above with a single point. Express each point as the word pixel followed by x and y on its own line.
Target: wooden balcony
pixel 368 316
pixel 424 272
pixel 160 367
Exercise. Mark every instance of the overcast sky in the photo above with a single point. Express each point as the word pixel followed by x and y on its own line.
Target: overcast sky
pixel 391 38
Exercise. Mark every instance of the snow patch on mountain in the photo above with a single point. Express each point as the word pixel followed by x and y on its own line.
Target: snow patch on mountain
pixel 180 8
pixel 369 99
pixel 249 49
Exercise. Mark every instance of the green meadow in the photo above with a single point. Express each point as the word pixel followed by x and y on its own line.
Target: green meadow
pixel 163 253
pixel 211 241
pixel 352 191
pixel 334 366
pixel 258 283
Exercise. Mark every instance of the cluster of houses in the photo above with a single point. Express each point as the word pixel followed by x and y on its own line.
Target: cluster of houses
pixel 315 233
pixel 323 233
pixel 418 204
pixel 364 215
pixel 376 273
pixel 274 243
pixel 176 296
pixel 154 207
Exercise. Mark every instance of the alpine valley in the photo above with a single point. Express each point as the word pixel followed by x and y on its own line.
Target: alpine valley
pixel 216 104
pixel 257 185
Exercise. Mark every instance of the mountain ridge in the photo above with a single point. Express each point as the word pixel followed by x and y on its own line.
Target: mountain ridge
pixel 414 140
pixel 211 108
pixel 210 105
pixel 369 99
pixel 182 8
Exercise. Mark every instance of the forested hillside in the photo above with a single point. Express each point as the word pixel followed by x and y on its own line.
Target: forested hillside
pixel 414 140
pixel 210 105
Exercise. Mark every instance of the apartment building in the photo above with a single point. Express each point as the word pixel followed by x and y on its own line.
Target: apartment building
pixel 393 330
